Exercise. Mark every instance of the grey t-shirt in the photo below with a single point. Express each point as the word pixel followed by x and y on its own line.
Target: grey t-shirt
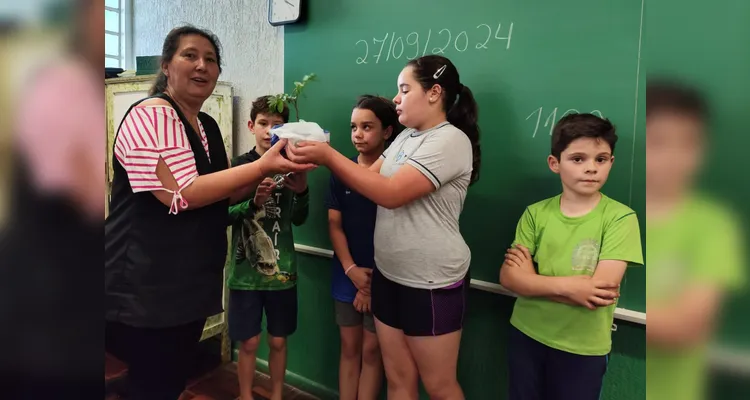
pixel 419 244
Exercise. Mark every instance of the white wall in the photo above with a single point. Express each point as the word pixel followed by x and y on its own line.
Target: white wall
pixel 253 50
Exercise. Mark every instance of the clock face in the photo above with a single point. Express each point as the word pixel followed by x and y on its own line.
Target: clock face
pixel 283 11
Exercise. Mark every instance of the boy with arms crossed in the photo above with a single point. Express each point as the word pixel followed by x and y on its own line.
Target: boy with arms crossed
pixel 582 242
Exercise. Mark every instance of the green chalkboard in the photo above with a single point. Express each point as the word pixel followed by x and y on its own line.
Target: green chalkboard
pixel 528 62
pixel 717 61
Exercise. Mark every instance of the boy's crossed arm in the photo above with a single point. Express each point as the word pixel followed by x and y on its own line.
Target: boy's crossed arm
pixel 518 275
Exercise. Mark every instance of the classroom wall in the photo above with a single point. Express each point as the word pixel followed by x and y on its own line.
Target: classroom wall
pixel 253 55
pixel 253 52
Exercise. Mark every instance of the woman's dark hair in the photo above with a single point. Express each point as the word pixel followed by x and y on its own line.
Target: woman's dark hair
pixel 172 43
pixel 384 110
pixel 458 102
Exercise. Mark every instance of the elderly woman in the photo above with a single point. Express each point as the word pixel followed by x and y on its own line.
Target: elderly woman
pixel 165 237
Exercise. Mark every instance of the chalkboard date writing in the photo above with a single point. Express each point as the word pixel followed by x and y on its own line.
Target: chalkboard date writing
pixel 391 46
pixel 552 117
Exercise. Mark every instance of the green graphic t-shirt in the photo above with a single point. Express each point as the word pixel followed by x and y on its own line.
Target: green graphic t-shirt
pixel 567 246
pixel 700 242
pixel 263 255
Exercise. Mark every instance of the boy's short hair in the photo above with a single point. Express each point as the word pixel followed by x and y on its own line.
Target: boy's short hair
pixel 260 106
pixel 575 126
pixel 668 96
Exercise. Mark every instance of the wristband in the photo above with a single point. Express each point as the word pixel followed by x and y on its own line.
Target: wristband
pixel 346 272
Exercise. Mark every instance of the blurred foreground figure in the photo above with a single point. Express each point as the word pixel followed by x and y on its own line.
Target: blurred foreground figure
pixel 50 242
pixel 693 246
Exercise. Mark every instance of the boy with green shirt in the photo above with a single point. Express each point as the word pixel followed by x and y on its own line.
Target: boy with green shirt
pixel 693 246
pixel 581 242
pixel 263 267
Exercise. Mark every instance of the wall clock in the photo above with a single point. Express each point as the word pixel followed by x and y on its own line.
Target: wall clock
pixel 282 12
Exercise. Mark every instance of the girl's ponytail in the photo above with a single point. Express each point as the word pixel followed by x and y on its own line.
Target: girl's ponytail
pixel 465 116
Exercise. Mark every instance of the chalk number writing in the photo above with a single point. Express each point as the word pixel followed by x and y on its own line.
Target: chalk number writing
pixel 483 37
pixel 552 118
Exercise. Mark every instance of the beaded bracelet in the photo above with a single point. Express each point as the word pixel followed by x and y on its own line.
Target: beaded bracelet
pixel 346 272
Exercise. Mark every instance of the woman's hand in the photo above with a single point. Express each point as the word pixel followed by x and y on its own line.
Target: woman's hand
pixel 272 162
pixel 304 152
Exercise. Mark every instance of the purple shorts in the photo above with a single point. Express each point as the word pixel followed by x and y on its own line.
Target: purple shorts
pixel 419 312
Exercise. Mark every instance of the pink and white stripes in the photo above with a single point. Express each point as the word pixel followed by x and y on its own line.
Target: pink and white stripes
pixel 152 132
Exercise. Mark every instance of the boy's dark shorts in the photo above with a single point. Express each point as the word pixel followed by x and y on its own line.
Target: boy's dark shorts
pixel 539 372
pixel 347 315
pixel 246 312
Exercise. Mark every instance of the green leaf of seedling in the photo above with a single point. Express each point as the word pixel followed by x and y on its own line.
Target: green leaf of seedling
pixel 280 106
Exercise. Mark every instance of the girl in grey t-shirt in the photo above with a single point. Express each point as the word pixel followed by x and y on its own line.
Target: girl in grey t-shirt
pixel 420 282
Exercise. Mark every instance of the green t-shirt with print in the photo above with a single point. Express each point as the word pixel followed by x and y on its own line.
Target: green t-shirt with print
pixel 700 242
pixel 568 246
pixel 262 255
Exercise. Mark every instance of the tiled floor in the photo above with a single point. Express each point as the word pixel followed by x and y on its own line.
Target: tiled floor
pixel 218 384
